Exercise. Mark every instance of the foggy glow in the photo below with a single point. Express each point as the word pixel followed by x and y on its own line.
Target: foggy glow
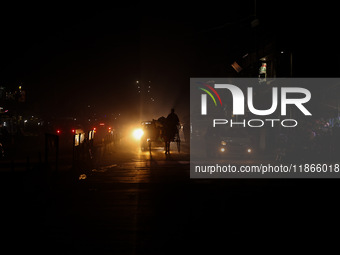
pixel 138 133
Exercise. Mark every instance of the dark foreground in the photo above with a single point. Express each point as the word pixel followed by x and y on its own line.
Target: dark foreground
pixel 134 204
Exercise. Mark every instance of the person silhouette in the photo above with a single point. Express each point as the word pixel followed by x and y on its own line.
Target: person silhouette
pixel 172 122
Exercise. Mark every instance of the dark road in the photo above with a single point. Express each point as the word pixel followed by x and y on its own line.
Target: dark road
pixel 134 204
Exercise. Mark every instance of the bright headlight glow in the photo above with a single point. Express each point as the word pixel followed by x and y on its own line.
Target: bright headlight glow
pixel 222 149
pixel 249 150
pixel 138 133
pixel 224 143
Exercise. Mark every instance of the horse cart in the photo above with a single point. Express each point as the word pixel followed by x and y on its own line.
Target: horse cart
pixel 159 133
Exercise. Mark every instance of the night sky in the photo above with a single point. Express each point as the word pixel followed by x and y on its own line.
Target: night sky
pixel 68 59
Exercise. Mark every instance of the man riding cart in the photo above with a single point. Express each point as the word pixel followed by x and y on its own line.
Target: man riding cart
pixel 159 132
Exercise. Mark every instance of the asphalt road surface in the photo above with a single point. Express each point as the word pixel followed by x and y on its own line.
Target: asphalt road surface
pixel 134 203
